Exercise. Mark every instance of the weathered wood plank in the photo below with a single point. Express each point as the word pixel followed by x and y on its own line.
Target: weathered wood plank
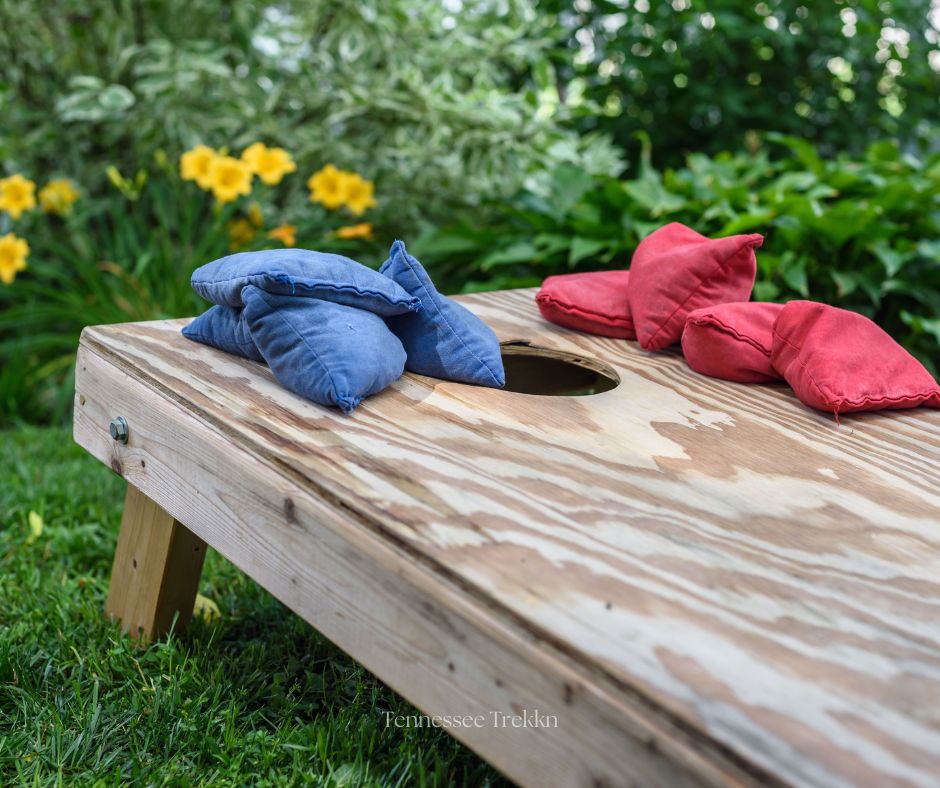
pixel 156 569
pixel 420 632
pixel 716 555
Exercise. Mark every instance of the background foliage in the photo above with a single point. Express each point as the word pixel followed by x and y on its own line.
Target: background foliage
pixel 702 75
pixel 439 114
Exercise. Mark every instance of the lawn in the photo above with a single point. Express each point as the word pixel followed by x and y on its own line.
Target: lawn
pixel 256 692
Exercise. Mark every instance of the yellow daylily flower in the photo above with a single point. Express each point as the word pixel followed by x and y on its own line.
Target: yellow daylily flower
pixel 359 194
pixel 17 194
pixel 285 233
pixel 269 164
pixel 363 230
pixel 241 232
pixel 229 178
pixel 328 187
pixel 58 196
pixel 194 165
pixel 13 254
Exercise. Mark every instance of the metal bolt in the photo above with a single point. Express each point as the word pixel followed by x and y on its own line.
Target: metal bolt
pixel 119 429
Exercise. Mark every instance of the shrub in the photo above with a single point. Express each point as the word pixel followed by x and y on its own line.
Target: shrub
pixel 705 73
pixel 441 108
pixel 860 233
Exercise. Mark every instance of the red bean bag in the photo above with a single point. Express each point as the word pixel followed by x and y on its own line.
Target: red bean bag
pixel 840 361
pixel 675 271
pixel 732 341
pixel 593 302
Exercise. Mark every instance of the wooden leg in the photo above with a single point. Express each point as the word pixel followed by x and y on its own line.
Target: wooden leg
pixel 156 570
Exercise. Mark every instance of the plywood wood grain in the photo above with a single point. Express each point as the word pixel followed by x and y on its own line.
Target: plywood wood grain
pixel 753 587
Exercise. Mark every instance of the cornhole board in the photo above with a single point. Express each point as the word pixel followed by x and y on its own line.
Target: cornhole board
pixel 698 582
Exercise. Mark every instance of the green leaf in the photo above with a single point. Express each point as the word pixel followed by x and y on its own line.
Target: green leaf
pixel 584 247
pixel 93 100
pixel 544 74
pixel 569 185
pixel 929 249
pixel 883 151
pixel 443 242
pixel 892 259
pixel 927 325
pixel 549 243
pixel 795 276
pixel 748 222
pixel 803 150
pixel 844 220
pixel 792 182
pixel 651 194
pixel 766 291
pixel 519 252
pixel 846 282
pixel 643 229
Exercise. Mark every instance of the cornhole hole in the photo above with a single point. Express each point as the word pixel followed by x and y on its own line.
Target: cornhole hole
pixel 615 572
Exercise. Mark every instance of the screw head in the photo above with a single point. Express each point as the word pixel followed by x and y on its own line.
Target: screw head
pixel 119 429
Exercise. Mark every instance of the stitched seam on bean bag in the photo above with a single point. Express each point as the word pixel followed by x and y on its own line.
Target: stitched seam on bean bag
pixel 711 320
pixel 893 400
pixel 323 284
pixel 707 278
pixel 625 322
pixel 444 318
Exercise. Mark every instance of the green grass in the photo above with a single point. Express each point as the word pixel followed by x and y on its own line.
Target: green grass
pixel 256 697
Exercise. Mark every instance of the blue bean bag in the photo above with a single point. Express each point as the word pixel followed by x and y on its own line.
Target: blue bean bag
pixel 334 331
pixel 302 272
pixel 225 328
pixel 443 339
pixel 330 353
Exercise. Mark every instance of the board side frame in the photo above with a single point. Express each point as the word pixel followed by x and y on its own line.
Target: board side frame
pixel 445 652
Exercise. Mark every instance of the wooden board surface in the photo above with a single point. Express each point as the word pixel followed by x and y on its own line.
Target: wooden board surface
pixel 742 573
